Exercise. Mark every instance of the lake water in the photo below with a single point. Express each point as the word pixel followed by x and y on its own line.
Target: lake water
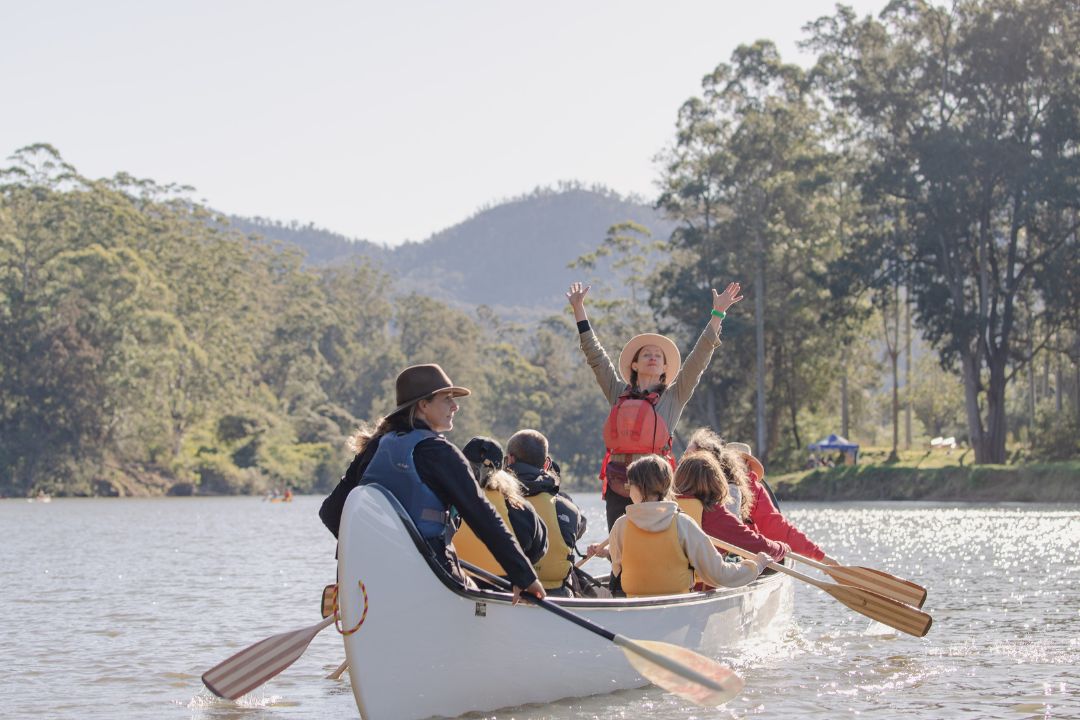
pixel 114 608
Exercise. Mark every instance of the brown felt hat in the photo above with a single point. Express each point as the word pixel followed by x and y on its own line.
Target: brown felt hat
pixel 672 358
pixel 417 382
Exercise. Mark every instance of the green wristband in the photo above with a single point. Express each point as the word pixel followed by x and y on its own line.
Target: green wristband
pixel 719 313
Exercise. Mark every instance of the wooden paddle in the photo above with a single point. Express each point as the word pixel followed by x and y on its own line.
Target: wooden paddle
pixel 253 666
pixel 885 610
pixel 590 555
pixel 870 579
pixel 680 671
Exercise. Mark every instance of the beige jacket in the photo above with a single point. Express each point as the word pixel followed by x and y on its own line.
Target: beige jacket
pixel 709 564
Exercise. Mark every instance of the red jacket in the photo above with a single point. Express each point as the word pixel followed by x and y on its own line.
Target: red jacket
pixel 722 525
pixel 767 520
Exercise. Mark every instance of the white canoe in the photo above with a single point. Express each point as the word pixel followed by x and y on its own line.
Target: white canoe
pixel 428 648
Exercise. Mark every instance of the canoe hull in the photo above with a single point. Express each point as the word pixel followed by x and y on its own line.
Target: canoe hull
pixel 428 649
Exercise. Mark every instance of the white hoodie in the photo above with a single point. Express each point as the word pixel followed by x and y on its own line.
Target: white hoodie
pixel 709 564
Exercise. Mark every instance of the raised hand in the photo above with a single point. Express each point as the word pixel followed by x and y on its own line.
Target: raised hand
pixel 576 294
pixel 731 295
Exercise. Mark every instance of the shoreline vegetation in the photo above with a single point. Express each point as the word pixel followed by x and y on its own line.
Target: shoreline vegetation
pixel 1052 482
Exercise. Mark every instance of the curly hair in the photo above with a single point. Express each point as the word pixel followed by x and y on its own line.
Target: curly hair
pixel 732 464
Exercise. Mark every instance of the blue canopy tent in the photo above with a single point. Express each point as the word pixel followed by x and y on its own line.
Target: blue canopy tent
pixel 835 442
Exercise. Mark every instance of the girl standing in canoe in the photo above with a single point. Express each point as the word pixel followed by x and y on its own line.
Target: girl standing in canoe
pixel 647 392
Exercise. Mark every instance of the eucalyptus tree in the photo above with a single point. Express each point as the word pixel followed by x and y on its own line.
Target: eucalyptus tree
pixel 972 116
pixel 755 189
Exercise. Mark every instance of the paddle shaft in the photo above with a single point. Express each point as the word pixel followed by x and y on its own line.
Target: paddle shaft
pixel 620 640
pixel 590 556
pixel 866 602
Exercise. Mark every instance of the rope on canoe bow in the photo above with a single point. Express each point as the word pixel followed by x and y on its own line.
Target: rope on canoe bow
pixel 337 613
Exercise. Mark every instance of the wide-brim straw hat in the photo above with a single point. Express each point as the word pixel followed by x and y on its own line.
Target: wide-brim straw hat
pixel 752 462
pixel 672 358
pixel 415 383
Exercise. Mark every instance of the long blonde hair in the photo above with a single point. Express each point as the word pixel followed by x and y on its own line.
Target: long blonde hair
pixel 507 484
pixel 731 463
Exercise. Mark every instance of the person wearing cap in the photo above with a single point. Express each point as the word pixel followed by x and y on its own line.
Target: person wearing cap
pixel 766 518
pixel 647 393
pixel 505 494
pixel 407 454
pixel 527 457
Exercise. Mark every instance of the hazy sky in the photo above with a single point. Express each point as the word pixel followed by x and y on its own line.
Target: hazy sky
pixel 387 121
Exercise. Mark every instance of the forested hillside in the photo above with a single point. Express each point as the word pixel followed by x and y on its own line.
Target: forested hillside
pixel 512 257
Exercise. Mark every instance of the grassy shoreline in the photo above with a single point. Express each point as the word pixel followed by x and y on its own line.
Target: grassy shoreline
pixel 1035 482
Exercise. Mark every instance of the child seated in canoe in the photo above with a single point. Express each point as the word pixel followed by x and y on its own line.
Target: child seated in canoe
pixel 655 549
pixel 758 509
pixel 506 495
pixel 701 485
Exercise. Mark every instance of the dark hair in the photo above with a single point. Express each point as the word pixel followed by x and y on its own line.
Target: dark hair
pixel 652 475
pixel 529 447
pixel 700 475
pixel 633 373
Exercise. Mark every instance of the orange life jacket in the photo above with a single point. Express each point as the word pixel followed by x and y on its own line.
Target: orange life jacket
pixel 634 427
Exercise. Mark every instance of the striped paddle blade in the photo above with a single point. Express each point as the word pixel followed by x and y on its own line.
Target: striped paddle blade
pixel 253 666
pixel 880 582
pixel 885 610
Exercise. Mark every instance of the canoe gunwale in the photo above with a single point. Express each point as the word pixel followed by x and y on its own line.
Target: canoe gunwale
pixel 497 596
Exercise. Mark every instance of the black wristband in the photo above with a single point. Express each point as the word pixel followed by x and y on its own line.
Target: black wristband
pixel 582 326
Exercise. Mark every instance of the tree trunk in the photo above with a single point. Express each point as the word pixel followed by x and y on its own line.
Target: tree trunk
pixel 894 357
pixel 907 369
pixel 970 370
pixel 996 428
pixel 1059 383
pixel 844 430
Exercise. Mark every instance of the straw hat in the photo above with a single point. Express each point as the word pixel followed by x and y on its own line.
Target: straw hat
pixel 752 462
pixel 671 354
pixel 417 382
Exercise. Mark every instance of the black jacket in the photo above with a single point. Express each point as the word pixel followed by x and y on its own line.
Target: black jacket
pixel 535 481
pixel 443 468
pixel 530 530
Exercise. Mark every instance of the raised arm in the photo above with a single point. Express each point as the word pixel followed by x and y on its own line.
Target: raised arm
pixel 576 295
pixel 607 377
pixel 709 340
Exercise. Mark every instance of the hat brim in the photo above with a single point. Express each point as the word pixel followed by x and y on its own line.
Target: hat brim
pixel 754 464
pixel 455 391
pixel 671 354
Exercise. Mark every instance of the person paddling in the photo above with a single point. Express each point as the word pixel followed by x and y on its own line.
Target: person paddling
pixel 702 488
pixel 647 393
pixel 655 549
pixel 766 518
pixel 407 454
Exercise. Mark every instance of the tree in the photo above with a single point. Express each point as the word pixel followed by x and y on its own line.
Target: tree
pixel 754 190
pixel 972 116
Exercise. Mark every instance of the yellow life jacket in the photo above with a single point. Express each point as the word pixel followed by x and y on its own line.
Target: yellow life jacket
pixel 653 563
pixel 555 565
pixel 692 507
pixel 471 548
